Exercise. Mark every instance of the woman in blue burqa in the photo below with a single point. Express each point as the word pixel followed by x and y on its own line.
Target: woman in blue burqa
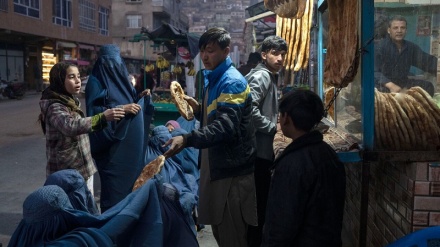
pixel 63 213
pixel 118 150
pixel 180 171
pixel 50 219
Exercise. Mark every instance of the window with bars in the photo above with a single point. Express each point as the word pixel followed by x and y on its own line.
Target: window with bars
pixel 103 20
pixel 87 15
pixel 134 21
pixel 27 7
pixel 62 13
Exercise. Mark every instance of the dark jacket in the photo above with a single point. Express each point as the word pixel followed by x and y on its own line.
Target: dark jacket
pixel 394 66
pixel 229 133
pixel 306 196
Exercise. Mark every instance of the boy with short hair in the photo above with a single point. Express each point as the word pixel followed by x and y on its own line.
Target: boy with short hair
pixel 307 192
pixel 227 142
pixel 263 83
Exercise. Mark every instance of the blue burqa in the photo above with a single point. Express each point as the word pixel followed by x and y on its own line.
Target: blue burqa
pixel 48 216
pixel 71 181
pixel 428 237
pixel 118 150
pixel 173 172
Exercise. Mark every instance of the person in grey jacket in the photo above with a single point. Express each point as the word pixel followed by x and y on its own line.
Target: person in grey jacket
pixel 263 83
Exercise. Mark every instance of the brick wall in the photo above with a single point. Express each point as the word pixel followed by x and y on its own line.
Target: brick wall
pixel 351 224
pixel 403 197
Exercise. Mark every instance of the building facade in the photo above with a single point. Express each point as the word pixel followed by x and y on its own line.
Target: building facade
pixel 36 34
pixel 228 14
pixel 128 19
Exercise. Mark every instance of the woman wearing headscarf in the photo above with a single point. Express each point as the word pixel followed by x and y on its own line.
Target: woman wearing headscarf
pixel 118 150
pixel 65 126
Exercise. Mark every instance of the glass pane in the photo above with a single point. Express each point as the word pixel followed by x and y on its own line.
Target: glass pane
pixel 343 107
pixel 405 74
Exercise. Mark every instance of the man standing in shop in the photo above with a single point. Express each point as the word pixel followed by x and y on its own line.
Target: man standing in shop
pixel 263 83
pixel 394 57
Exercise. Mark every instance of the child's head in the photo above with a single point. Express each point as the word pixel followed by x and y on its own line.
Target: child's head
pixel 171 125
pixel 217 36
pixel 273 53
pixel 65 78
pixel 274 43
pixel 304 108
pixel 214 47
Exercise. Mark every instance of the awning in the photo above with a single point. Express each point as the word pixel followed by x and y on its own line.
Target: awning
pixel 65 44
pixel 86 47
pixel 260 16
pixel 257 11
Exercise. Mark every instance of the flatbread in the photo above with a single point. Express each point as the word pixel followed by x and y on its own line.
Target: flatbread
pixel 402 132
pixel 328 96
pixel 149 171
pixel 431 105
pixel 392 123
pixel 412 117
pixel 182 106
pixel 419 116
pixel 377 124
pixel 405 124
pixel 386 138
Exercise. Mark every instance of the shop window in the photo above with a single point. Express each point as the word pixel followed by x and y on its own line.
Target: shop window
pixel 4 5
pixel 62 13
pixel 27 7
pixel 134 21
pixel 87 15
pixel 406 75
pixel 103 20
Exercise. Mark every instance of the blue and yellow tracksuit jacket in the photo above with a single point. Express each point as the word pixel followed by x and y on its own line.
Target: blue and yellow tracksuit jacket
pixel 229 133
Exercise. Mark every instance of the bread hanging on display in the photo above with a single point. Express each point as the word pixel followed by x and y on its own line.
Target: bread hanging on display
pixel 296 31
pixel 341 63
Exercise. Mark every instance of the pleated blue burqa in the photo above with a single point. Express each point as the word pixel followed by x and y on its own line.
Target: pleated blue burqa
pixel 118 150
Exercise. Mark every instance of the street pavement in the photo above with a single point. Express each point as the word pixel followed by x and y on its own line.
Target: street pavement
pixel 23 161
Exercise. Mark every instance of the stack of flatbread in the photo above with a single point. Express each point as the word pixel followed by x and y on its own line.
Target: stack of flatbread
pixel 407 121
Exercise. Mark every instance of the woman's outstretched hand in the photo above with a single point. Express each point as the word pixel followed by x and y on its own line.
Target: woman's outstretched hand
pixel 131 108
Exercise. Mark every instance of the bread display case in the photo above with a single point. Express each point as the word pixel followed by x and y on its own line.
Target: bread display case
pixel 49 60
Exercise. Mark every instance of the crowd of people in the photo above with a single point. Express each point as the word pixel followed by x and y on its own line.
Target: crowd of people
pixel 220 168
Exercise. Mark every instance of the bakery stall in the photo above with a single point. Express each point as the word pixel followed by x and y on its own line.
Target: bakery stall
pixel 388 141
pixel 174 64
